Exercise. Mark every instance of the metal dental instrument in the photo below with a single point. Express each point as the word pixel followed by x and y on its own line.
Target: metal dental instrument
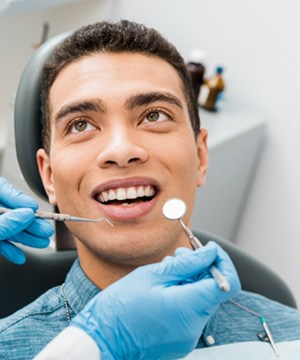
pixel 174 209
pixel 269 335
pixel 60 217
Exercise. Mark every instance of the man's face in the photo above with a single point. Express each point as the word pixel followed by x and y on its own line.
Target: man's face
pixel 121 145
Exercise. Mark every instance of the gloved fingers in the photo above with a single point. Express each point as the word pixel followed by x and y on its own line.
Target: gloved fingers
pixel 15 221
pixel 182 250
pixel 13 198
pixel 179 251
pixel 227 268
pixel 206 294
pixel 201 297
pixel 195 265
pixel 213 293
pixel 179 268
pixel 12 252
pixel 40 228
pixel 31 240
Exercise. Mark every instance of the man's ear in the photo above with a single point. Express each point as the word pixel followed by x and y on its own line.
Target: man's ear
pixel 202 152
pixel 45 170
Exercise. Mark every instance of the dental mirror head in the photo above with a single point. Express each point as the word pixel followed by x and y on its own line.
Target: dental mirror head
pixel 174 209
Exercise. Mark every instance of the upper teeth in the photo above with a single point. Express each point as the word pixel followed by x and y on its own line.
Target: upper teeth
pixel 131 192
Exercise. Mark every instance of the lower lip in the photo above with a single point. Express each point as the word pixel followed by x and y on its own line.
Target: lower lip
pixel 131 212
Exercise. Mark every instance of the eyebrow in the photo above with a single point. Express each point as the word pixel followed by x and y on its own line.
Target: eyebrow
pixel 148 98
pixel 134 101
pixel 80 106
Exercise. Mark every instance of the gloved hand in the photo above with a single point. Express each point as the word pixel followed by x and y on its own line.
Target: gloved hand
pixel 20 225
pixel 158 311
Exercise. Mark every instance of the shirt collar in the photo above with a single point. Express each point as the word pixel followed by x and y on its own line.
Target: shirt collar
pixel 79 289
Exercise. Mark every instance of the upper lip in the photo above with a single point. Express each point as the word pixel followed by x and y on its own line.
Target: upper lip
pixel 119 183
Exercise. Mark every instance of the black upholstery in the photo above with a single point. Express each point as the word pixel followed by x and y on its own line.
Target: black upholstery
pixel 254 275
pixel 27 115
pixel 21 284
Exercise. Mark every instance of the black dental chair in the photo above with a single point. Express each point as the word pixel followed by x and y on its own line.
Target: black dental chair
pixel 47 268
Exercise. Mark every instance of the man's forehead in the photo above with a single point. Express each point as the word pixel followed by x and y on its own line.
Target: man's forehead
pixel 150 74
pixel 124 63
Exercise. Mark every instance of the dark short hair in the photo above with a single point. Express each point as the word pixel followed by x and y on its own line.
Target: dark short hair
pixel 122 36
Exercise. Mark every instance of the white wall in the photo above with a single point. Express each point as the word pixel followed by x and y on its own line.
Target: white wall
pixel 19 33
pixel 258 42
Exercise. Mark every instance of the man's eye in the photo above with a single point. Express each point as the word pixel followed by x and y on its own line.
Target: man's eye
pixel 155 116
pixel 81 126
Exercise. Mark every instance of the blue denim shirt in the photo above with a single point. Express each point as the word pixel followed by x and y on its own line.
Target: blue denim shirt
pixel 25 333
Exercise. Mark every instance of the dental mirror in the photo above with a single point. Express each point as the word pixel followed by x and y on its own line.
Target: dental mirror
pixel 174 209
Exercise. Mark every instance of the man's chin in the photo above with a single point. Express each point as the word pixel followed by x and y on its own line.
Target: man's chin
pixel 122 255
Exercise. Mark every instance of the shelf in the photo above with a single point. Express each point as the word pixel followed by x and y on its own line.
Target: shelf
pixel 14 7
pixel 236 136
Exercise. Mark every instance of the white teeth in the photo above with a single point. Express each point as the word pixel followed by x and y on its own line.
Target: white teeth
pixel 112 195
pixel 147 190
pixel 140 191
pixel 131 193
pixel 121 194
pixel 105 196
pixel 126 193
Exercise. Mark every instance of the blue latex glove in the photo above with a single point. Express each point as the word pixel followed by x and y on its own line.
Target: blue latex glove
pixel 20 225
pixel 159 311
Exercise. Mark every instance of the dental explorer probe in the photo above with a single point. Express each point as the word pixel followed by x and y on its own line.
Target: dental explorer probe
pixel 60 217
pixel 174 209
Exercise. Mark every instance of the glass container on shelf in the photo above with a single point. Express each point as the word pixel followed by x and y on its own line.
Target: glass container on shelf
pixel 212 91
pixel 196 69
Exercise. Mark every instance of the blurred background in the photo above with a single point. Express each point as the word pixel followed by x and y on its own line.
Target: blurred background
pixel 257 43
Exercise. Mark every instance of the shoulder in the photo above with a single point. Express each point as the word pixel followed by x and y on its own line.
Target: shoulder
pixel 265 307
pixel 44 306
pixel 31 328
pixel 239 320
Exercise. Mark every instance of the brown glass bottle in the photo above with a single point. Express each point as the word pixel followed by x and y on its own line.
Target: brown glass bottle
pixel 212 91
pixel 196 69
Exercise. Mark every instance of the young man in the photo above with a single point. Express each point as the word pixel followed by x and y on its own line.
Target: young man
pixel 122 136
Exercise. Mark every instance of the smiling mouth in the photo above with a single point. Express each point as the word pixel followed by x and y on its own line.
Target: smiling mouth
pixel 127 196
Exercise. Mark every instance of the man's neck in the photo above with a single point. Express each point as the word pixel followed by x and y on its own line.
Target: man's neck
pixel 103 272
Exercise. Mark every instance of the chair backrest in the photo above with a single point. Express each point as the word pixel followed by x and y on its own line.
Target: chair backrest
pixel 254 275
pixel 27 115
pixel 21 284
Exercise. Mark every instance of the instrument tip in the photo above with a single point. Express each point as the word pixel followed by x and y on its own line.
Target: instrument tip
pixel 108 221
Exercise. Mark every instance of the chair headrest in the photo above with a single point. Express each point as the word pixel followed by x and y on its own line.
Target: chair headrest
pixel 27 115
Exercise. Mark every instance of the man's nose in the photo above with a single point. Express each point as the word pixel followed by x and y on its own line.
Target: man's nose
pixel 121 148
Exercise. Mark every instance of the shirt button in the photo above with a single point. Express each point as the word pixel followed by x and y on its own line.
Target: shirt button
pixel 210 340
